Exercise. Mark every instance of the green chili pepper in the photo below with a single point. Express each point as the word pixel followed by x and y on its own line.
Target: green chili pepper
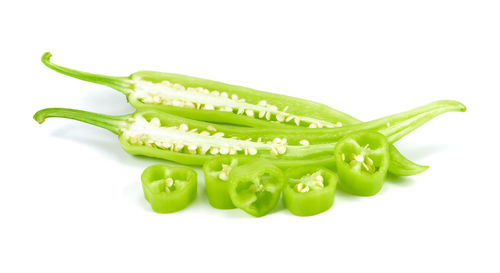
pixel 309 190
pixel 224 103
pixel 217 184
pixel 256 187
pixel 362 162
pixel 169 188
pixel 162 135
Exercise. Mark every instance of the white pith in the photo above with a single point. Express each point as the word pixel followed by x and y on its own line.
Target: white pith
pixel 181 139
pixel 200 98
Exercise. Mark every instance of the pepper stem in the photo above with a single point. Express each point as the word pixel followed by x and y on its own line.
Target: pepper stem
pixel 112 123
pixel 121 84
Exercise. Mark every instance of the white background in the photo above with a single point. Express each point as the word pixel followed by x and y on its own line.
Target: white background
pixel 71 199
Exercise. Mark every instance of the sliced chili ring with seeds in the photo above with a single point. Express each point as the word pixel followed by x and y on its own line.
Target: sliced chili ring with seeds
pixel 309 190
pixel 362 161
pixel 169 188
pixel 256 187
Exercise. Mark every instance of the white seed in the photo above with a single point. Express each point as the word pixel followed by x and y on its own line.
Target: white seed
pixel 277 140
pixel 224 95
pixel 148 99
pixel 249 112
pixel 218 134
pixel 290 117
pixel 194 130
pixel 204 133
pixel 261 114
pixel 320 125
pixel 252 151
pixel 211 128
pixel 224 150
pixel 241 100
pixel 286 108
pixel 268 115
pixel 203 149
pixel 169 182
pixel 156 99
pixel 274 151
pixel 343 157
pixel 155 122
pixel 301 187
pixel 214 150
pixel 259 140
pixel 208 107
pixel 273 107
pixel 192 148
pixel 281 149
pixel 227 109
pixel 280 117
pixel 359 158
pixel 178 103
pixel 234 97
pixel 178 147
pixel 133 140
pixel 215 93
pixel 183 127
pixel 262 103
pixel 240 111
pixel 338 124
pixel 304 142
pixel 232 151
pixel 313 125
pixel 223 176
pixel 178 87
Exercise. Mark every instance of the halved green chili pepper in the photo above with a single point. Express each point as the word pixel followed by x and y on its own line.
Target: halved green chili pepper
pixel 309 190
pixel 256 187
pixel 169 188
pixel 362 162
pixel 224 103
pixel 162 135
pixel 217 184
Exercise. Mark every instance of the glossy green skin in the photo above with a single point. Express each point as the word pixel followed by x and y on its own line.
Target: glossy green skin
pixel 319 153
pixel 312 202
pixel 260 173
pixel 399 164
pixel 217 189
pixel 359 182
pixel 154 188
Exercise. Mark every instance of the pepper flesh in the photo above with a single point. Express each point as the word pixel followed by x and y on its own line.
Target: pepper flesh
pixel 219 102
pixel 309 190
pixel 256 187
pixel 362 162
pixel 169 188
pixel 162 135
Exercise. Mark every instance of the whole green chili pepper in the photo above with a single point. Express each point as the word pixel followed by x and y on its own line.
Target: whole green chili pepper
pixel 223 103
pixel 362 162
pixel 162 135
pixel 256 187
pixel 169 188
pixel 309 190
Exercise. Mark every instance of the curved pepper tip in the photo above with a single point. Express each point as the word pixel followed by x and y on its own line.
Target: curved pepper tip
pixel 46 57
pixel 39 117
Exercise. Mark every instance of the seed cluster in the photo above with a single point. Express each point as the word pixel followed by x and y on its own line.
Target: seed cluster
pixel 224 174
pixel 365 161
pixel 174 94
pixel 182 139
pixel 310 182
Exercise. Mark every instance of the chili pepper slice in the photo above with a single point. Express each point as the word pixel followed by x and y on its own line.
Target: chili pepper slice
pixel 362 162
pixel 169 188
pixel 256 187
pixel 309 190
pixel 217 183
pixel 213 101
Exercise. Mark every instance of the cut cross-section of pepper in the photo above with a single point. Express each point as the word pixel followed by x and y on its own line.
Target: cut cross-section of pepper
pixel 362 162
pixel 217 183
pixel 169 188
pixel 309 190
pixel 256 187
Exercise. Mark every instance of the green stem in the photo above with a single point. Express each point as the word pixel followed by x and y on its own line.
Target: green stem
pixel 112 123
pixel 121 84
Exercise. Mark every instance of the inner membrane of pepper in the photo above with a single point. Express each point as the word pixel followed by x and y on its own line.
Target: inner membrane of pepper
pixel 309 182
pixel 174 94
pixel 152 133
pixel 257 193
pixel 361 158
